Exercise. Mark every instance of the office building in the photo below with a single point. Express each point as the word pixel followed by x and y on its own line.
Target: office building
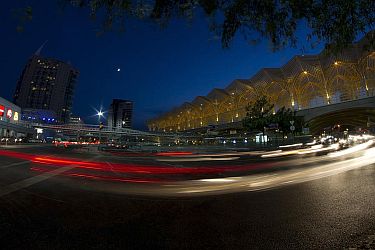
pixel 47 84
pixel 120 114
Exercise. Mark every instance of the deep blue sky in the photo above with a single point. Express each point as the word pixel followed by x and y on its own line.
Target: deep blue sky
pixel 160 68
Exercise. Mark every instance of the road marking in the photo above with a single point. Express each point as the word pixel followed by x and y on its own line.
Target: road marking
pixel 14 164
pixel 31 181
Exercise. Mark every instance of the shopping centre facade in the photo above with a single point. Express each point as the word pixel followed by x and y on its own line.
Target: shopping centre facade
pixel 306 81
pixel 11 124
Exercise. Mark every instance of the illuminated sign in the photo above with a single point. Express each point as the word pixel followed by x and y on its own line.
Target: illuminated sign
pixel 9 113
pixel 2 110
pixel 15 117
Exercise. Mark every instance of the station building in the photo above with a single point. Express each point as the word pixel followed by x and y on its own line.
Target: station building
pixel 304 82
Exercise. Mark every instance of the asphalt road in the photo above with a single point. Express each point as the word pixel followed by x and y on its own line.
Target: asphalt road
pixel 50 211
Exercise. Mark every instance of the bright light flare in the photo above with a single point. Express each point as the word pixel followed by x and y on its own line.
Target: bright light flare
pixel 311 143
pixel 282 153
pixel 291 145
pixel 353 149
pixel 317 149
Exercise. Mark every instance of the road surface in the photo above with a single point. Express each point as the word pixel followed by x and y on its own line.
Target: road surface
pixel 49 210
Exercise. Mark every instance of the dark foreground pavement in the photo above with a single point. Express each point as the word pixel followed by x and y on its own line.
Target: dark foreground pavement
pixel 63 213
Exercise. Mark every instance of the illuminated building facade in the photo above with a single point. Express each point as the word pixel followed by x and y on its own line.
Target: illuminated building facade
pixel 47 84
pixel 39 116
pixel 9 112
pixel 304 82
pixel 10 120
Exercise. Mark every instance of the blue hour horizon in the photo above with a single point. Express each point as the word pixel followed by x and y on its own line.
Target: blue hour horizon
pixel 145 64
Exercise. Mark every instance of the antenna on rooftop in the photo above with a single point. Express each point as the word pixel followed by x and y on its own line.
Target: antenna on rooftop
pixel 37 53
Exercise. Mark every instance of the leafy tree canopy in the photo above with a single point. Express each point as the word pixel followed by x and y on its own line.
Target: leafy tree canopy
pixel 336 23
pixel 283 117
pixel 259 114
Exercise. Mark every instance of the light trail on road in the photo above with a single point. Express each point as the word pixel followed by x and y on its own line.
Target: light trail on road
pixel 132 168
pixel 167 180
pixel 255 182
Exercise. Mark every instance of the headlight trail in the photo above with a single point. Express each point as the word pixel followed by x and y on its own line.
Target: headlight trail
pixel 322 167
pixel 258 182
pixel 156 180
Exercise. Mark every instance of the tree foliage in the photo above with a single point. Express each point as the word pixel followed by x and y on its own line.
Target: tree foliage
pixel 259 114
pixel 23 15
pixel 336 23
pixel 283 117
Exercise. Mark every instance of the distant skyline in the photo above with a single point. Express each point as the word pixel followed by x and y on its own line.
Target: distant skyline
pixel 156 68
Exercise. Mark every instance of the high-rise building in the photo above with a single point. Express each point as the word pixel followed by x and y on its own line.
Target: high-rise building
pixel 47 84
pixel 120 114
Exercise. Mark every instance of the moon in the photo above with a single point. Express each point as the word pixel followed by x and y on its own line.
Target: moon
pixel 118 70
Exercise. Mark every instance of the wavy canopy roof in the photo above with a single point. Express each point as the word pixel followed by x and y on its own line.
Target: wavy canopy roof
pixel 301 80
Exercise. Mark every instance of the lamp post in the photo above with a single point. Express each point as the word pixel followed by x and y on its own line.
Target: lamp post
pixel 99 114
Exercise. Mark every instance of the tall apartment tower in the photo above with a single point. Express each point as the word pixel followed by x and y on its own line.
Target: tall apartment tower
pixel 47 84
pixel 120 114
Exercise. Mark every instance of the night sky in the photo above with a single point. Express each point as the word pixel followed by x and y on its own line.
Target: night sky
pixel 160 68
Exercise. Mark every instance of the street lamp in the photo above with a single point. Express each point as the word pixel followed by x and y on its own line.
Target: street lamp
pixel 100 114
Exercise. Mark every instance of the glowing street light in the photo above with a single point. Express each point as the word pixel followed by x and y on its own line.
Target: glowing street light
pixel 100 113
